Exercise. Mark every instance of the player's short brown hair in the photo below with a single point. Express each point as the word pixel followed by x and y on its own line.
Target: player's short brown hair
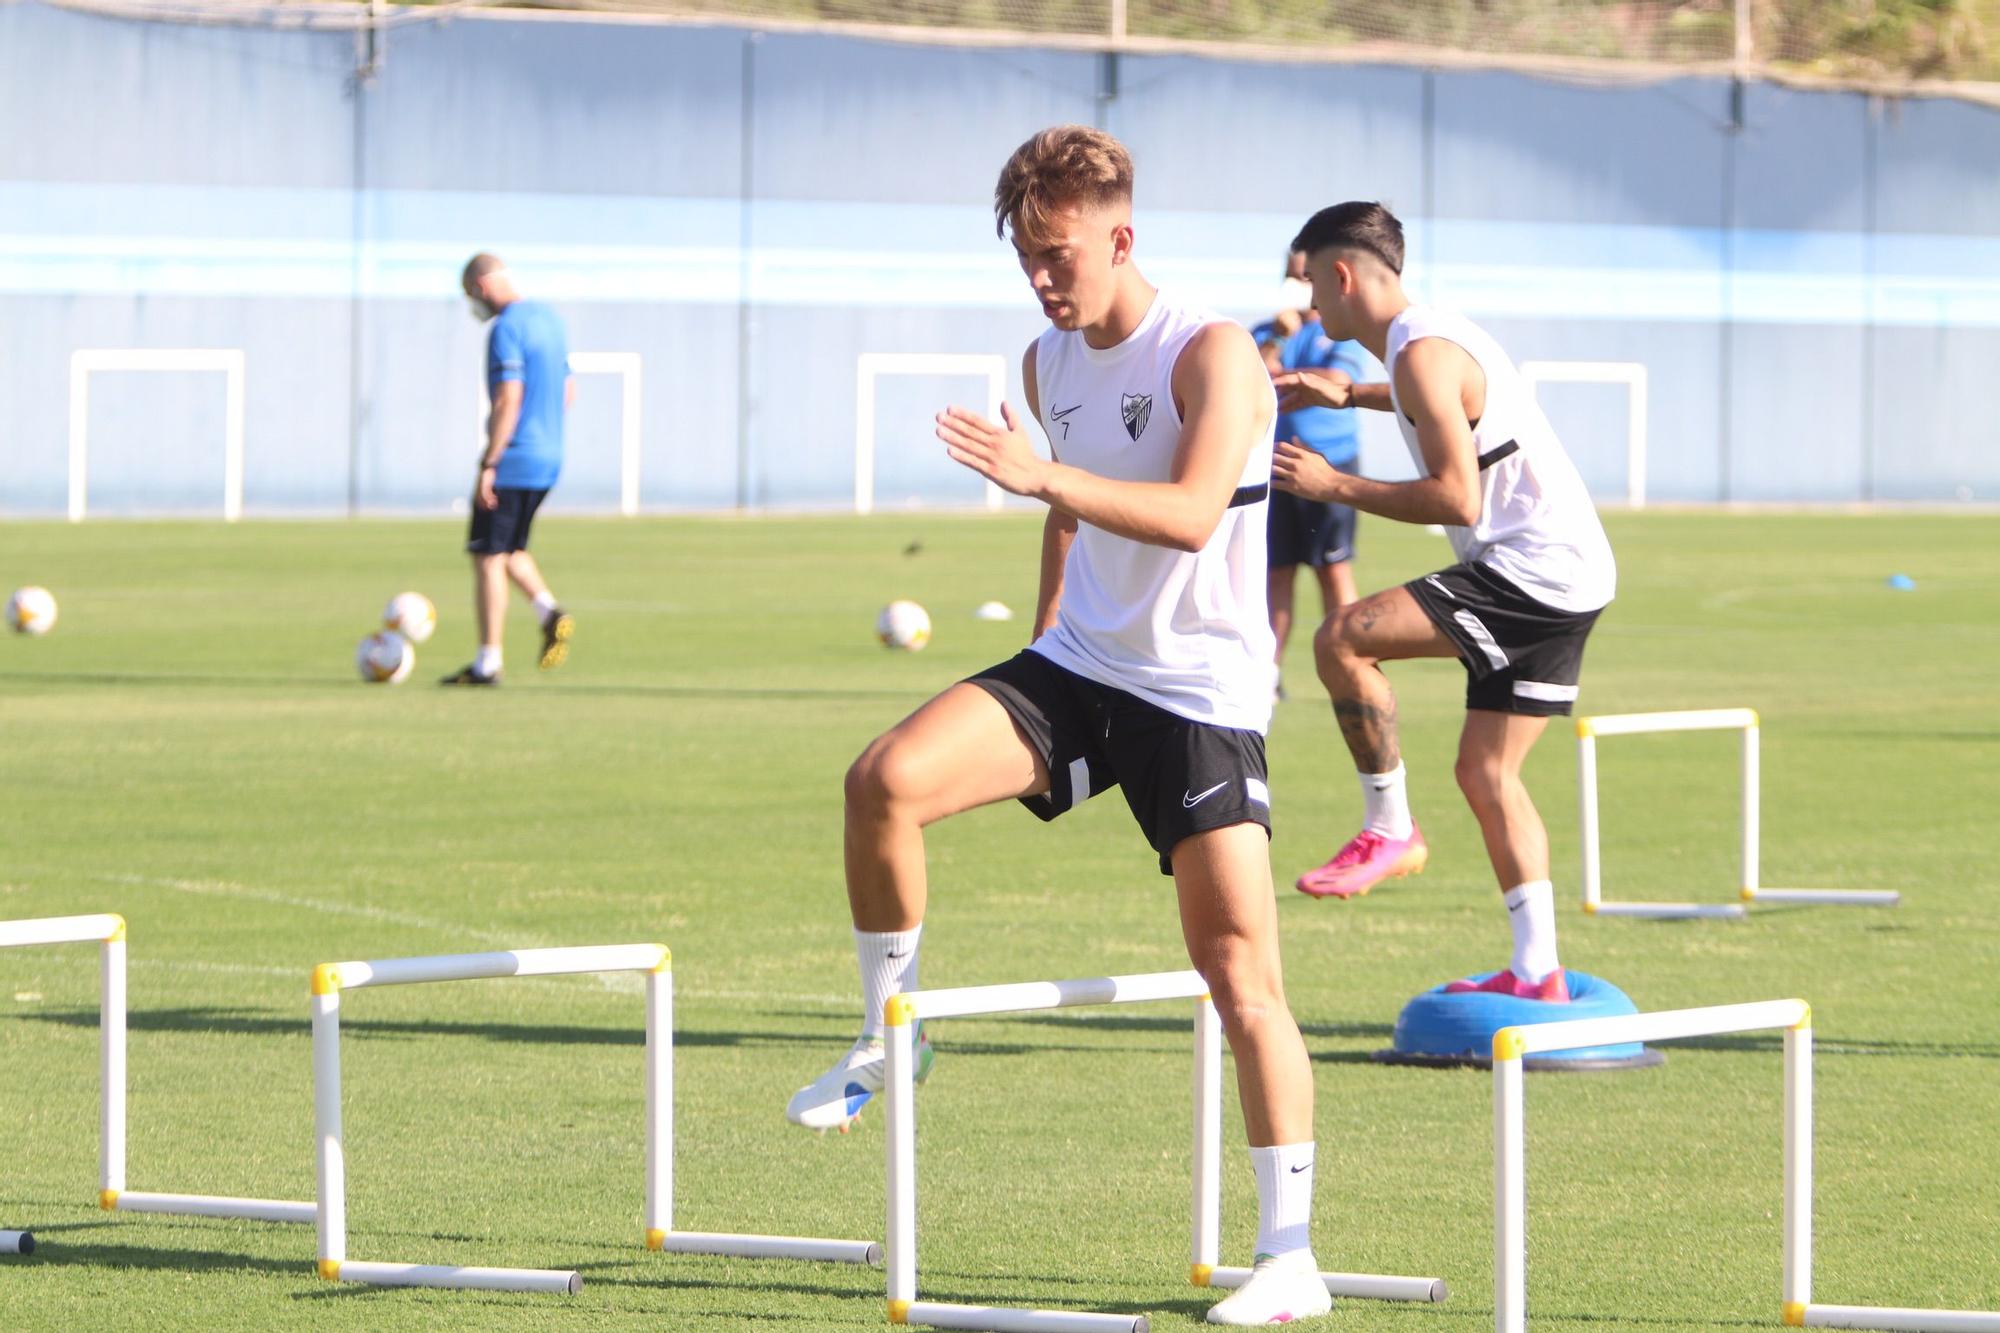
pixel 1060 168
pixel 1357 225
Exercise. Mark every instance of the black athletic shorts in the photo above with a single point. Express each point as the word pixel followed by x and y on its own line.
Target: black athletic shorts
pixel 1180 777
pixel 1309 532
pixel 504 528
pixel 1521 655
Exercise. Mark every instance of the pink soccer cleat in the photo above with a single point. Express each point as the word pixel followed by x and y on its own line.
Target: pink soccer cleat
pixel 1366 861
pixel 1551 989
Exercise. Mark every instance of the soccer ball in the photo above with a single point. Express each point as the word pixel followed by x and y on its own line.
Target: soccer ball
pixel 903 625
pixel 385 658
pixel 31 610
pixel 411 615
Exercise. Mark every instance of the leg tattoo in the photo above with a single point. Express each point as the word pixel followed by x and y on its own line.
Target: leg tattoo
pixel 1370 732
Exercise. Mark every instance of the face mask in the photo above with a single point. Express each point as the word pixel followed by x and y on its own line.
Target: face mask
pixel 1297 295
pixel 481 310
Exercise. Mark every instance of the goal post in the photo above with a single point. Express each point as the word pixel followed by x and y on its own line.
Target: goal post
pixel 1630 374
pixel 85 361
pixel 869 367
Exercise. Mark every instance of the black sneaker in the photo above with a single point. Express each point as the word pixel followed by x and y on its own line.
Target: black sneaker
pixel 465 675
pixel 556 631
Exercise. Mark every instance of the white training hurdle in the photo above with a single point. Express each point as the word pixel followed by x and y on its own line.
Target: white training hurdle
pixel 1750 887
pixel 107 931
pixel 654 961
pixel 901 1016
pixel 1794 1017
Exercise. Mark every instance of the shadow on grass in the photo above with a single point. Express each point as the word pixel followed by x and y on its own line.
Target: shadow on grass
pixel 334 681
pixel 96 1254
pixel 1825 1046
pixel 256 1023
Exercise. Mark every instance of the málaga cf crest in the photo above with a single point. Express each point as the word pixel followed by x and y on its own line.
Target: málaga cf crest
pixel 1137 409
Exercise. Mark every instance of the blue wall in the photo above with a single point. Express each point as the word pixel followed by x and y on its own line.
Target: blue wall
pixel 1815 289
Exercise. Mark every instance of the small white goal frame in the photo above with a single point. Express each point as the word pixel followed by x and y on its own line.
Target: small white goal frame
pixel 1750 886
pixel 1510 1202
pixel 870 366
pixel 1632 375
pixel 83 361
pixel 901 1017
pixel 655 963
pixel 107 930
pixel 630 368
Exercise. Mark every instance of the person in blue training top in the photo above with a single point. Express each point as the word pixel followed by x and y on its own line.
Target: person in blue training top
pixel 1314 533
pixel 528 387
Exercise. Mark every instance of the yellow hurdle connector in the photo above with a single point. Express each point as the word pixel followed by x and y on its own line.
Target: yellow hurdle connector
pixel 1585 728
pixel 1199 1274
pixel 1795 1314
pixel 117 931
pixel 108 1200
pixel 1508 1044
pixel 1747 894
pixel 330 1269
pixel 656 1239
pixel 896 1013
pixel 1805 1020
pixel 666 963
pixel 899 1312
pixel 326 979
pixel 1590 909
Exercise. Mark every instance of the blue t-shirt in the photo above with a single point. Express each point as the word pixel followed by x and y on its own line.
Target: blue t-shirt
pixel 527 345
pixel 1334 434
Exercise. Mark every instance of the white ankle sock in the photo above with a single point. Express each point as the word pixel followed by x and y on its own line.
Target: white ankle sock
pixel 1385 801
pixel 487 663
pixel 1284 1197
pixel 1531 910
pixel 888 966
pixel 545 605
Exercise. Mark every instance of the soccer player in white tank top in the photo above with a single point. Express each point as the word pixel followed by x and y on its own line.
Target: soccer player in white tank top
pixel 1149 671
pixel 1535 570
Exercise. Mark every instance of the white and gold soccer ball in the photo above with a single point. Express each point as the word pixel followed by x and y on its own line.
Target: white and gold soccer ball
pixel 385 658
pixel 31 610
pixel 411 615
pixel 903 625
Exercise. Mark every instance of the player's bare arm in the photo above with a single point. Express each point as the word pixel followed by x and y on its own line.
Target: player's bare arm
pixel 1223 393
pixel 1434 379
pixel 500 423
pixel 1058 529
pixel 1329 388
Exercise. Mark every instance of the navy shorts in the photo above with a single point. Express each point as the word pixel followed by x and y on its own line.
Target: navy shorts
pixel 504 528
pixel 1309 532
pixel 1520 655
pixel 1180 777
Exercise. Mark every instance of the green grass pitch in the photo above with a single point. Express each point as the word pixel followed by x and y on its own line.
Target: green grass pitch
pixel 191 748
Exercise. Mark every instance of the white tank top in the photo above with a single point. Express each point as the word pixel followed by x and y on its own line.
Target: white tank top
pixel 1537 526
pixel 1185 630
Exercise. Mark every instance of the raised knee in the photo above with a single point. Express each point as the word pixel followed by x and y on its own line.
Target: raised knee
pixel 879 777
pixel 1331 647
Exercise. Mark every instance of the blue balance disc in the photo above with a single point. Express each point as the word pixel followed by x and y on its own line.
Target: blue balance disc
pixel 1445 1031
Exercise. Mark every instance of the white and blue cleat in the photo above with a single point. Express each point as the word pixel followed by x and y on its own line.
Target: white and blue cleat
pixel 834 1099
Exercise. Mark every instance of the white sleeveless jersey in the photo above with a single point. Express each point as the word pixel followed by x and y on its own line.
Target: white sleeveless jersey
pixel 1187 631
pixel 1537 526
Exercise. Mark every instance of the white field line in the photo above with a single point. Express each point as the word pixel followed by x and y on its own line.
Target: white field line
pixel 612 981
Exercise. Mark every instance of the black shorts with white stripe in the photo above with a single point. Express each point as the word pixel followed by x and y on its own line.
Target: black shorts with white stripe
pixel 1180 777
pixel 1521 655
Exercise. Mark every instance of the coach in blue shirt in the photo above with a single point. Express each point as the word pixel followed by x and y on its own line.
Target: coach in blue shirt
pixel 1314 533
pixel 528 389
